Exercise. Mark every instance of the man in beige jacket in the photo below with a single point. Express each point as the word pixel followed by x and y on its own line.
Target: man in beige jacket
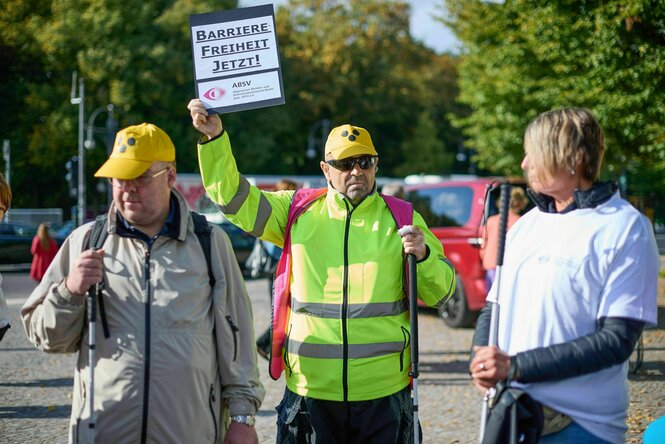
pixel 174 352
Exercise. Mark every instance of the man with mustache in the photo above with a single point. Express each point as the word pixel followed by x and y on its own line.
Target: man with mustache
pixel 347 348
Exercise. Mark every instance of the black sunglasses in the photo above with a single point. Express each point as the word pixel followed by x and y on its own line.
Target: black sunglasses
pixel 364 162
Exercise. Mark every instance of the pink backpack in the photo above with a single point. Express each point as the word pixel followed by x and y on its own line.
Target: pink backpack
pixel 402 212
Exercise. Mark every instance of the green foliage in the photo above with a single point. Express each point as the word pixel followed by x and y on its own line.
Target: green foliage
pixel 349 62
pixel 355 62
pixel 134 54
pixel 425 152
pixel 524 57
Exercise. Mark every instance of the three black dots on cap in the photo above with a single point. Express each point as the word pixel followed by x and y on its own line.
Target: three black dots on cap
pixel 131 141
pixel 352 137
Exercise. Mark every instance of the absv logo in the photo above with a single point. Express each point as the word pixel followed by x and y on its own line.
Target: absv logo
pixel 214 93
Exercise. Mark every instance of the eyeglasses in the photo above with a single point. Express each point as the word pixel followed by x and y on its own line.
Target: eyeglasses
pixel 142 180
pixel 364 162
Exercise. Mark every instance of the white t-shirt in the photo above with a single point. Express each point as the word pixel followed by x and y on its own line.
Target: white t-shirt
pixel 563 272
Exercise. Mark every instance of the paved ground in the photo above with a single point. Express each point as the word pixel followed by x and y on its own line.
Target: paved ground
pixel 35 388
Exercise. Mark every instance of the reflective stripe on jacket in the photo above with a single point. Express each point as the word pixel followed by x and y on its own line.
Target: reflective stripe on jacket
pixel 348 336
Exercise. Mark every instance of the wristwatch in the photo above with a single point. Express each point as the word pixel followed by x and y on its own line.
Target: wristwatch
pixel 249 420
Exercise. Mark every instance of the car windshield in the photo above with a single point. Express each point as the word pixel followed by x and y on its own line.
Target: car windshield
pixel 443 207
pixel 20 230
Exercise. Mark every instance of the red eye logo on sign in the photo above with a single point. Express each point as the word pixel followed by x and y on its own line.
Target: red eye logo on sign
pixel 214 93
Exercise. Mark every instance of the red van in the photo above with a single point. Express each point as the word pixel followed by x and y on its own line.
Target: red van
pixel 453 210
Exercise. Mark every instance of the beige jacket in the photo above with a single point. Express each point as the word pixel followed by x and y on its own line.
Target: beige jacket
pixel 174 352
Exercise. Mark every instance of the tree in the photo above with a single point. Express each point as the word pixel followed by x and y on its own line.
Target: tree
pixel 343 61
pixel 356 62
pixel 133 54
pixel 425 152
pixel 523 57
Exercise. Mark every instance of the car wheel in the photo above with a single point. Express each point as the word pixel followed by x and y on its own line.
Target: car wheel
pixel 455 312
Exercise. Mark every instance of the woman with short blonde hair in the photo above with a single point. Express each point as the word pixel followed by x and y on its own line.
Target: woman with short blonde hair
pixel 562 139
pixel 578 284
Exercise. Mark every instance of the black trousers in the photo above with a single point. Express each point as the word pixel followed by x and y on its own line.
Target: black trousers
pixel 303 420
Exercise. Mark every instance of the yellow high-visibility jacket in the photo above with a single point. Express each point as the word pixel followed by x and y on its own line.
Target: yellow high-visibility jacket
pixel 348 337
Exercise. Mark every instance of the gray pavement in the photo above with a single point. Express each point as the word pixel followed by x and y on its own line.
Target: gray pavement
pixel 35 388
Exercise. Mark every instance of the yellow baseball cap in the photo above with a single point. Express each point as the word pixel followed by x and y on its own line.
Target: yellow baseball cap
pixel 349 141
pixel 135 149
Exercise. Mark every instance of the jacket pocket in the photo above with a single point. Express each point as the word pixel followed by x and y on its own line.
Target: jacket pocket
pixel 406 335
pixel 285 352
pixel 234 330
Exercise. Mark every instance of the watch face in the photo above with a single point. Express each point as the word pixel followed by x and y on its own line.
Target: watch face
pixel 244 419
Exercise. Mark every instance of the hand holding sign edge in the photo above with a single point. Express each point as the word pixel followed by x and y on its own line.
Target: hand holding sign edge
pixel 207 123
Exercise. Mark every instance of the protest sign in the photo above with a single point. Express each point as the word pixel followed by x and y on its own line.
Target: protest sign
pixel 236 59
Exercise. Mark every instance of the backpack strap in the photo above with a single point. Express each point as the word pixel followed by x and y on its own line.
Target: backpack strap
pixel 281 300
pixel 203 229
pixel 99 233
pixel 301 200
pixel 95 241
pixel 401 210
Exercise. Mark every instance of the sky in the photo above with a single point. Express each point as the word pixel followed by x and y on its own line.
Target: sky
pixel 423 27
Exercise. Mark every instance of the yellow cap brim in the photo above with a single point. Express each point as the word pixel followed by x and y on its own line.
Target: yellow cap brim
pixel 121 168
pixel 351 151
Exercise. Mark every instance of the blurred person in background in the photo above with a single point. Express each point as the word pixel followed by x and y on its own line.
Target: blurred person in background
pixel 5 202
pixel 490 232
pixel 393 189
pixel 43 250
pixel 578 284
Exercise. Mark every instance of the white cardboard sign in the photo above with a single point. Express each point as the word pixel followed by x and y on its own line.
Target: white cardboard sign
pixel 236 59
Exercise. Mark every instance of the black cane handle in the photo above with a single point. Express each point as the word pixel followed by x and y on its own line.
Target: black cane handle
pixel 413 300
pixel 503 222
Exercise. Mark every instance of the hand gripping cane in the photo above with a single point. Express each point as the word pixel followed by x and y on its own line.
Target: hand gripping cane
pixel 413 320
pixel 494 313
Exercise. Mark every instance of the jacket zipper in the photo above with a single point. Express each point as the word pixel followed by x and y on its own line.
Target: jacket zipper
pixel 146 371
pixel 235 331
pixel 345 307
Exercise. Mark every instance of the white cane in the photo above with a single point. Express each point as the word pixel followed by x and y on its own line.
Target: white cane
pixel 413 320
pixel 494 313
pixel 92 311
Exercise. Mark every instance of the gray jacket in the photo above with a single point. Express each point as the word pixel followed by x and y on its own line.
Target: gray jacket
pixel 175 350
